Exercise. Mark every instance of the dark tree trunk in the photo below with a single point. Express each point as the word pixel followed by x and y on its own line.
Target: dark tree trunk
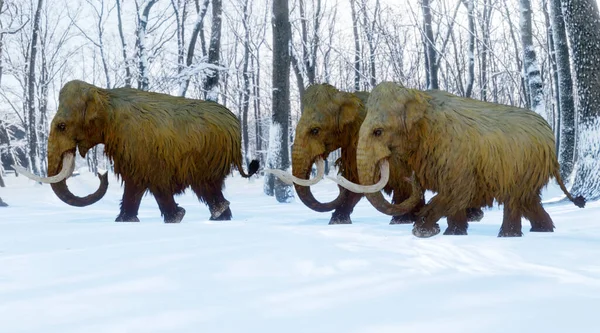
pixel 430 52
pixel 211 85
pixel 198 30
pixel 281 95
pixel 246 78
pixel 582 22
pixel 531 69
pixel 566 115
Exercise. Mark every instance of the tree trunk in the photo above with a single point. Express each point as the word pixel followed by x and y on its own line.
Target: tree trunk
pixel 126 61
pixel 142 21
pixel 430 52
pixel 211 85
pixel 31 109
pixel 198 30
pixel 246 79
pixel 531 68
pixel 566 115
pixel 279 134
pixel 357 52
pixel 471 56
pixel 582 22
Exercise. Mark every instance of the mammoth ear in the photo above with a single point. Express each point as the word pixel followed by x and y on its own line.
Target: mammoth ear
pixel 95 105
pixel 350 106
pixel 415 107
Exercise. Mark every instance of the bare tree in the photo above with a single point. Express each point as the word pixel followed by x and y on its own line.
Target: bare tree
pixel 279 133
pixel 198 30
pixel 430 51
pixel 140 43
pixel 211 84
pixel 32 134
pixel 531 69
pixel 566 105
pixel 582 21
pixel 126 62
pixel 357 48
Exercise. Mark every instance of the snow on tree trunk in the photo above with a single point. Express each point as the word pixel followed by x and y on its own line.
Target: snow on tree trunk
pixel 142 52
pixel 430 52
pixel 211 85
pixel 566 116
pixel 531 69
pixel 582 21
pixel 357 53
pixel 32 126
pixel 279 135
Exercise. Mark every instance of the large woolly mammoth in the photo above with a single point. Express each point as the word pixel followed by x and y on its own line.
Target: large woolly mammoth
pixel 331 119
pixel 158 143
pixel 469 152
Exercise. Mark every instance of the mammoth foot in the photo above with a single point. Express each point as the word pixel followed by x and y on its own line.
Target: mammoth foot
pixel 423 231
pixel 3 204
pixel 474 214
pixel 340 220
pixel 403 219
pixel 541 228
pixel 455 230
pixel 126 218
pixel 175 218
pixel 225 216
pixel 510 233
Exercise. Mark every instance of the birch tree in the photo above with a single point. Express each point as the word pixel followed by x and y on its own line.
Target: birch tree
pixel 531 69
pixel 143 13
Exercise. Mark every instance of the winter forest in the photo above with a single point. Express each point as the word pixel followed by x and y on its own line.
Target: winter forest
pixel 257 58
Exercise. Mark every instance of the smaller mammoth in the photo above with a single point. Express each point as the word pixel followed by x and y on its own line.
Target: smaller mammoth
pixel 467 151
pixel 331 120
pixel 158 143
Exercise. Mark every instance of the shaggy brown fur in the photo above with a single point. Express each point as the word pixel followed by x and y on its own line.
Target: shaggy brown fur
pixel 331 119
pixel 470 152
pixel 158 142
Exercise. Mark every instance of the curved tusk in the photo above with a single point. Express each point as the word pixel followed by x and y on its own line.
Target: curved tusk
pixel 290 179
pixel 67 170
pixel 357 188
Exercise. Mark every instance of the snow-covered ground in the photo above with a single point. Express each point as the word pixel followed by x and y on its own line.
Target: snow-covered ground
pixel 280 268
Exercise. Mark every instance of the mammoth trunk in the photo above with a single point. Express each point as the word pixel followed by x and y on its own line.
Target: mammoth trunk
pixel 60 188
pixel 302 170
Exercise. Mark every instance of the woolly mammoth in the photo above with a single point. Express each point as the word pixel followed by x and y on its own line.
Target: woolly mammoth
pixel 331 119
pixel 469 152
pixel 158 143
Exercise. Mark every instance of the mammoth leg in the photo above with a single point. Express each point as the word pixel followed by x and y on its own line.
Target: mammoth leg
pixel 511 222
pixel 342 214
pixel 426 224
pixel 539 218
pixel 398 197
pixel 212 195
pixel 170 211
pixel 457 224
pixel 130 204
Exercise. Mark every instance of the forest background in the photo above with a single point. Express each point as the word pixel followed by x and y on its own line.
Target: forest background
pixel 258 56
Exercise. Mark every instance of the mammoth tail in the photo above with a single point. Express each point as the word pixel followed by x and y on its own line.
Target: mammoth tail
pixel 579 201
pixel 252 169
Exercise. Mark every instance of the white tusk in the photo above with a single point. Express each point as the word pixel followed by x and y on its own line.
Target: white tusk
pixel 357 188
pixel 67 170
pixel 290 179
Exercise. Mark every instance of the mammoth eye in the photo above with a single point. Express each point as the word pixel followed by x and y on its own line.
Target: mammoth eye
pixel 377 132
pixel 314 131
pixel 61 127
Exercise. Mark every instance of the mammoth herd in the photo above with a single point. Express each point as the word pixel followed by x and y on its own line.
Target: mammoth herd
pixel 469 153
